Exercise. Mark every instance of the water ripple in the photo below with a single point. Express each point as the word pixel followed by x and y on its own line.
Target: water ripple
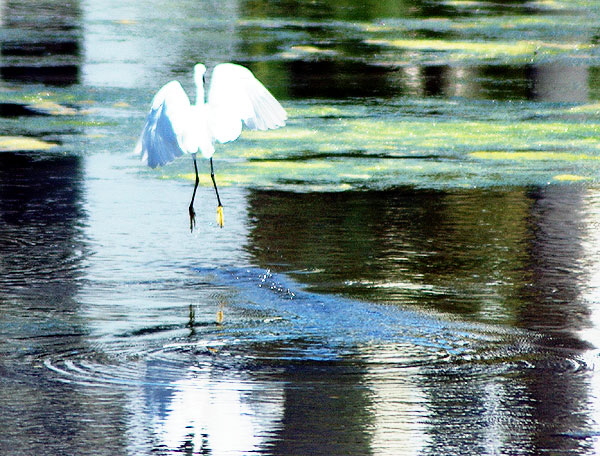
pixel 273 324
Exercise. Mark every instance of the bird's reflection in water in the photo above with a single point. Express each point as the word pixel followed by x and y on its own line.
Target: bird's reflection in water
pixel 200 409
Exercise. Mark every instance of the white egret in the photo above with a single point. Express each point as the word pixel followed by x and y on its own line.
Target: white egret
pixel 175 127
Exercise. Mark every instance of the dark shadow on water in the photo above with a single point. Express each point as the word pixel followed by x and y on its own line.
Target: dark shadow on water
pixel 326 411
pixel 445 250
pixel 8 110
pixel 42 214
pixel 373 9
pixel 44 43
pixel 422 247
pixel 510 255
pixel 59 75
pixel 348 79
pixel 42 252
pixel 339 79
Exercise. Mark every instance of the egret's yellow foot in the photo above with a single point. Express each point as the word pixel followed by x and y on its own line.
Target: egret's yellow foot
pixel 220 317
pixel 220 217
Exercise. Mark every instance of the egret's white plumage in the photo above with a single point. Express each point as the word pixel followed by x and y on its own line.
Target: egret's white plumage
pixel 175 127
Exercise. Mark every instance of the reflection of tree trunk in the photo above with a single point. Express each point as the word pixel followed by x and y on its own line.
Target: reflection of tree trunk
pixel 46 43
pixel 553 82
pixel 40 238
pixel 553 307
pixel 555 254
pixel 326 412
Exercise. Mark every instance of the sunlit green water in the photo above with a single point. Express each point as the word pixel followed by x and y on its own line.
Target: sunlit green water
pixel 410 266
pixel 456 100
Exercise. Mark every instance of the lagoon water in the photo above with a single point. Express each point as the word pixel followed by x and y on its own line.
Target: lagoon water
pixel 410 267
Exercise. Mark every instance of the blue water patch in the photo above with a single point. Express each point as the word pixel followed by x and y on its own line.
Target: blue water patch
pixel 279 311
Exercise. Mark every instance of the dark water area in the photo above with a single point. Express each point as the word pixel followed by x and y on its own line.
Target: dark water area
pixel 410 267
pixel 339 337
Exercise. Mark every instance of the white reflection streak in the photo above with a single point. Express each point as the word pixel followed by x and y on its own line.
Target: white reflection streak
pixel 495 436
pixel 399 408
pixel 591 295
pixel 205 413
pixel 223 416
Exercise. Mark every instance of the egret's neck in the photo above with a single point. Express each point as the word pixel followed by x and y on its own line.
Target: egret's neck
pixel 200 91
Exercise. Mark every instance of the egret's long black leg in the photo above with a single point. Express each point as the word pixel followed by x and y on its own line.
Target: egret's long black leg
pixel 191 208
pixel 220 207
pixel 212 176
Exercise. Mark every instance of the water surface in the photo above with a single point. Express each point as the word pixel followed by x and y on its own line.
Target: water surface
pixel 410 267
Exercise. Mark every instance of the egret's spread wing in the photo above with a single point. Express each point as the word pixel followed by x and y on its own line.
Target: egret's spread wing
pixel 235 95
pixel 162 138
